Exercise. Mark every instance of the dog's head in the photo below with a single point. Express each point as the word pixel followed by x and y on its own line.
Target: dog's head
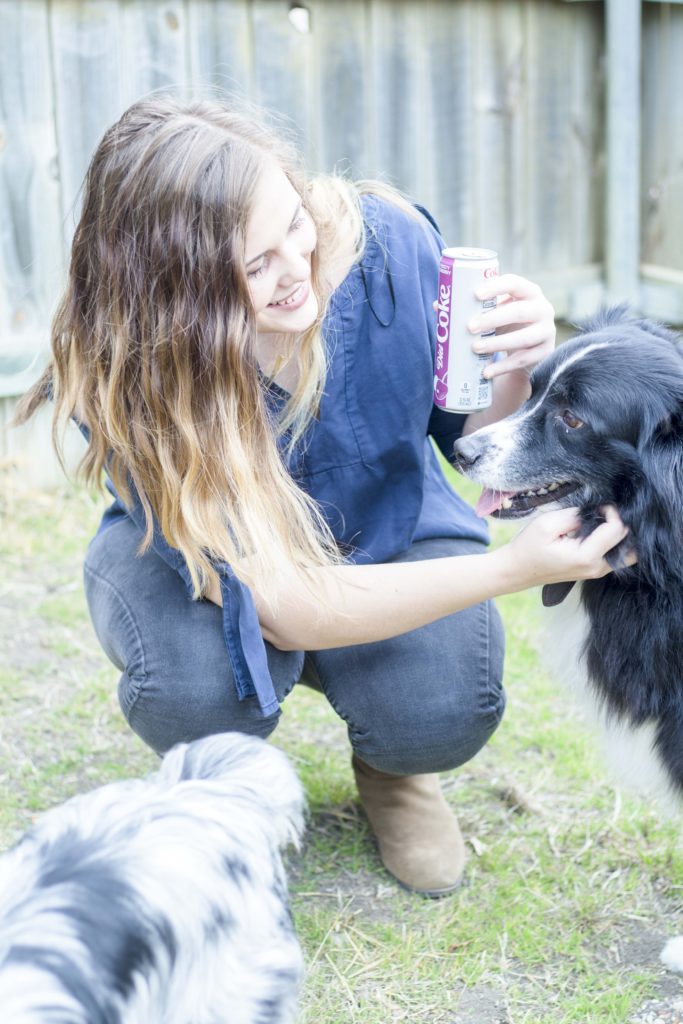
pixel 604 424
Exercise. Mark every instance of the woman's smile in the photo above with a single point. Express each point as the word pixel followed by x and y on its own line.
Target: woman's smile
pixel 294 300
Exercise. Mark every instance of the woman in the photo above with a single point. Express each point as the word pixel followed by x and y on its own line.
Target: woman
pixel 250 354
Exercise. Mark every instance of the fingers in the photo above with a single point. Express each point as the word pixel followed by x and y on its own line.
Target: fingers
pixel 564 523
pixel 522 314
pixel 530 335
pixel 605 537
pixel 612 531
pixel 508 290
pixel 507 314
pixel 558 524
pixel 513 284
pixel 524 349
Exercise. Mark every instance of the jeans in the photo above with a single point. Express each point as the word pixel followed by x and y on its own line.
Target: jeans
pixel 425 701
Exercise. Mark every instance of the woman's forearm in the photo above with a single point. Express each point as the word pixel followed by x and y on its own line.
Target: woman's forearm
pixel 339 606
pixel 354 604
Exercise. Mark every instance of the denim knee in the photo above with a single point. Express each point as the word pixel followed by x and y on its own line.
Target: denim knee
pixel 162 718
pixel 176 682
pixel 424 708
pixel 462 737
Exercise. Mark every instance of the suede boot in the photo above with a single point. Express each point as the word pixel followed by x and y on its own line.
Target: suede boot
pixel 418 835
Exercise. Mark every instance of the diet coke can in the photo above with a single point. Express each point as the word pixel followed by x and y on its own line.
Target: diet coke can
pixel 458 382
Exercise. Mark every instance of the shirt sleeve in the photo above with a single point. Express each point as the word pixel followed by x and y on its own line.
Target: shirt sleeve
pixel 446 428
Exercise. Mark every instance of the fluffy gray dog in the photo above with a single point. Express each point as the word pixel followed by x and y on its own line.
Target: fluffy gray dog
pixel 162 899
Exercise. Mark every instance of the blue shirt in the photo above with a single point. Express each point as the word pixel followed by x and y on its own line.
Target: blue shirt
pixel 367 460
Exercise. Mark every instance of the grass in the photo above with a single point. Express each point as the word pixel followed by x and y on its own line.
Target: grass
pixel 572 887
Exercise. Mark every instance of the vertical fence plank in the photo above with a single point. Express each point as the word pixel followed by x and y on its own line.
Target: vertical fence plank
pixel 498 108
pixel 153 54
pixel 654 153
pixel 513 257
pixel 549 184
pixel 450 90
pixel 30 216
pixel 662 141
pixel 87 41
pixel 622 236
pixel 397 70
pixel 586 143
pixel 282 70
pixel 342 87
pixel 220 46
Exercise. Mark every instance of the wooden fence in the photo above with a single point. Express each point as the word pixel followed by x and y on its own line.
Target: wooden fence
pixel 494 113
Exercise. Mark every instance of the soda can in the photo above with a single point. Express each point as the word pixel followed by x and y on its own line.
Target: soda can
pixel 458 382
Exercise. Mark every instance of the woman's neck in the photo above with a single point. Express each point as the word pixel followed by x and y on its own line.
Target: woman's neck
pixel 276 355
pixel 346 255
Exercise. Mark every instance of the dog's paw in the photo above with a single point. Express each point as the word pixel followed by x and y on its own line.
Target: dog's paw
pixel 672 954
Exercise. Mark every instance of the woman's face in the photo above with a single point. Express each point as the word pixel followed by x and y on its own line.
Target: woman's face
pixel 280 239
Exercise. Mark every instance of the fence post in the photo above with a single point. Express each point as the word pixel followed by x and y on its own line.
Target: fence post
pixel 622 256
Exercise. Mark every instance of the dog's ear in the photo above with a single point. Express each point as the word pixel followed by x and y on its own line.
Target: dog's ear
pixel 611 316
pixel 607 316
pixel 617 556
pixel 658 330
pixel 554 593
pixel 657 513
pixel 649 497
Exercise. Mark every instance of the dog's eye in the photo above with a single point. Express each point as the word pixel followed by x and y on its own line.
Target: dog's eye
pixel 570 420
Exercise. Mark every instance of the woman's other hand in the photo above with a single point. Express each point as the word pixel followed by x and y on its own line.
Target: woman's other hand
pixel 524 321
pixel 549 550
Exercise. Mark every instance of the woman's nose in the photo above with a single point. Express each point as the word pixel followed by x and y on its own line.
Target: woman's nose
pixel 295 262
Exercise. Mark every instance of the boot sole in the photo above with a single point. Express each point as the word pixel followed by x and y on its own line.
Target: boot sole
pixel 430 894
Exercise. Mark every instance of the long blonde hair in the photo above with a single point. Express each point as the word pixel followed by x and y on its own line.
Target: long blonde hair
pixel 153 341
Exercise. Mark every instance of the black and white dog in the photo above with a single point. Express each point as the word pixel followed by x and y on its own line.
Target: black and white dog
pixel 604 424
pixel 158 900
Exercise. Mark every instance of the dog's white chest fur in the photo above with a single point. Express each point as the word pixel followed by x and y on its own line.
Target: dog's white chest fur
pixel 629 751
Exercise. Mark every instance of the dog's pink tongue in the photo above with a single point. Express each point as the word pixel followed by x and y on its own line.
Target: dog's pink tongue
pixel 489 501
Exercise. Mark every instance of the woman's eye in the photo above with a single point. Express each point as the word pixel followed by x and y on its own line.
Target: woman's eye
pixel 570 420
pixel 253 275
pixel 261 269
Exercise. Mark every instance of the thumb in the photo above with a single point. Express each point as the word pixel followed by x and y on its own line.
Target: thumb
pixel 560 522
pixel 608 534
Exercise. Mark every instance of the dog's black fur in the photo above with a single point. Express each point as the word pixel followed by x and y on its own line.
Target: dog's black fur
pixel 605 419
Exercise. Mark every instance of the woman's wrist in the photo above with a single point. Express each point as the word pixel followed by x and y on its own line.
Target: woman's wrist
pixel 505 572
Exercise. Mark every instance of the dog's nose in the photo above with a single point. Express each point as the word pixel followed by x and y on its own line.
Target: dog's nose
pixel 465 453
